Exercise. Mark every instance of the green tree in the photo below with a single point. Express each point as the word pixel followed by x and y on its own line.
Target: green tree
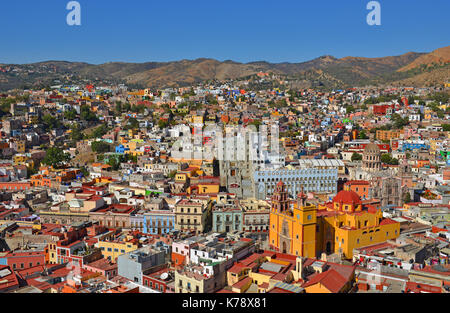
pixel 85 171
pixel 100 147
pixel 70 114
pixel 441 97
pixel 126 107
pixel 407 197
pixel 76 133
pixel 399 122
pixel 118 107
pixel 162 124
pixel 50 122
pixel 55 157
pixel 386 158
pixel 362 134
pixel 356 157
pixel 349 109
pixel 100 131
pixel 87 114
pixel 132 124
pixel 114 163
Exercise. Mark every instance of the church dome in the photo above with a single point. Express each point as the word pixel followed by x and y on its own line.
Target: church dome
pixel 372 148
pixel 347 197
pixel 372 158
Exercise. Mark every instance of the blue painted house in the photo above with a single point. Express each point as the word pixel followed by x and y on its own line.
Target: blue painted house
pixel 159 222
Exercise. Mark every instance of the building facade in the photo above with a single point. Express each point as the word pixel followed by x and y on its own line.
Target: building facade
pixel 337 227
pixel 312 180
pixel 193 215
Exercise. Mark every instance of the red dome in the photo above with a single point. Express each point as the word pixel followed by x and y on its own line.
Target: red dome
pixel 347 197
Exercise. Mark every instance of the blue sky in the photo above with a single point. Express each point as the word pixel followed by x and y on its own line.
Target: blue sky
pixel 243 31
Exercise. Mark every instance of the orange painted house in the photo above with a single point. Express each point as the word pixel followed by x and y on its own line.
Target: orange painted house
pixel 360 187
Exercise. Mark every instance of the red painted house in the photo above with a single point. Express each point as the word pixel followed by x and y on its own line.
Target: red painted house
pixel 19 260
pixel 161 281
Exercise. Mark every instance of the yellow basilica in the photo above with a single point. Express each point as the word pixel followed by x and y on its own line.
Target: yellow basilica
pixel 339 226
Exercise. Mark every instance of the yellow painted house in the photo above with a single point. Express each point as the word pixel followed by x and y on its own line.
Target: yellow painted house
pixel 197 119
pixel 292 230
pixel 345 225
pixel 112 249
pixel 204 188
pixel 336 227
pixel 51 252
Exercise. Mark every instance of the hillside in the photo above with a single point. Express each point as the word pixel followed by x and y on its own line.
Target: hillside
pixel 410 68
pixel 439 56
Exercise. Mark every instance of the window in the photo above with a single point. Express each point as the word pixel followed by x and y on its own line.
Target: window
pixel 109 249
pixel 309 217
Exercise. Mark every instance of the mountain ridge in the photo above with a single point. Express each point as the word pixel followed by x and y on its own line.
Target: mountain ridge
pixel 326 69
